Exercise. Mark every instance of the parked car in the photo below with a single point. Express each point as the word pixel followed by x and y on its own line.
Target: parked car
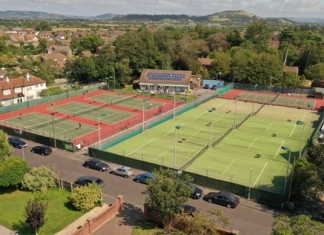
pixel 214 87
pixel 190 209
pixel 17 142
pixel 85 180
pixel 144 178
pixel 222 198
pixel 122 171
pixel 206 86
pixel 196 192
pixel 42 149
pixel 96 164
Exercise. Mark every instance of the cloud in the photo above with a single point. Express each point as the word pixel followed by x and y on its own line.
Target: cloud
pixel 266 8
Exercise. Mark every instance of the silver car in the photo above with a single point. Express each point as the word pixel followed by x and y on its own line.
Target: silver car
pixel 122 171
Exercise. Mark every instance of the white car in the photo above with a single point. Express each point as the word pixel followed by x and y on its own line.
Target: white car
pixel 122 171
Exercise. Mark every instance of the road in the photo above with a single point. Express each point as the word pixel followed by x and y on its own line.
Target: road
pixel 247 220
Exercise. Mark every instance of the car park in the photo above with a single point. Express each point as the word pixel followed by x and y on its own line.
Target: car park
pixel 17 142
pixel 196 192
pixel 222 198
pixel 85 180
pixel 96 164
pixel 144 178
pixel 42 150
pixel 124 171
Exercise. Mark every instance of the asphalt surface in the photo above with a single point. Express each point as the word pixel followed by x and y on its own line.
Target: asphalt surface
pixel 248 218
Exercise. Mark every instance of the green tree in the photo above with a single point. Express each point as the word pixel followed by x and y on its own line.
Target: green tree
pixel 315 72
pixel 291 79
pixel 40 179
pixel 43 26
pixel 104 62
pixel 91 42
pixel 258 33
pixel 221 64
pixel 48 71
pixel 123 72
pixel 42 45
pixel 35 214
pixel 7 60
pixel 296 225
pixel 235 38
pixel 5 147
pixel 12 171
pixel 87 197
pixel 218 41
pixel 167 193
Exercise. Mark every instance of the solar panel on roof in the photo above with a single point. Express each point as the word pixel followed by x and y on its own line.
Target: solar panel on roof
pixel 165 76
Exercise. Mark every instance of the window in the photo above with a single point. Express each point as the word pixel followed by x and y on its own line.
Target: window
pixel 7 92
pixel 29 88
pixel 17 90
pixel 36 85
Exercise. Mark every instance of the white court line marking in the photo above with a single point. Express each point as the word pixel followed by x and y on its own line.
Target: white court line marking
pixel 173 129
pixel 259 175
pixel 269 126
pixel 292 131
pixel 279 149
pixel 252 144
pixel 140 147
pixel 282 113
pixel 229 166
pixel 164 152
pixel 198 116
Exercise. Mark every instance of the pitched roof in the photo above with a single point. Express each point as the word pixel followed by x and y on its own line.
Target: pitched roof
pixel 161 75
pixel 86 53
pixel 16 82
pixel 205 61
pixel 291 69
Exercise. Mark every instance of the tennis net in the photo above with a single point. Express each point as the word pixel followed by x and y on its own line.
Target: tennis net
pixel 43 124
pixel 90 110
pixel 124 99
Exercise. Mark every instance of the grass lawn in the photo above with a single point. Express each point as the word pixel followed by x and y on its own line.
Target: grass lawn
pixel 60 213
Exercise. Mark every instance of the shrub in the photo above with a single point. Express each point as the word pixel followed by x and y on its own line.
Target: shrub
pixel 40 179
pixel 87 197
pixel 12 171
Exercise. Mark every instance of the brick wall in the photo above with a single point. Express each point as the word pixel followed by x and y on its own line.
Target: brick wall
pixel 93 223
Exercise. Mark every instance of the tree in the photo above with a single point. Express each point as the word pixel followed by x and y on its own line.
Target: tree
pixel 42 46
pixel 87 197
pixel 35 213
pixel 49 70
pixel 91 42
pixel 5 147
pixel 315 72
pixel 123 72
pixel 221 64
pixel 258 33
pixel 44 26
pixel 218 41
pixel 201 224
pixel 291 79
pixel 167 193
pixel 12 171
pixel 295 225
pixel 40 179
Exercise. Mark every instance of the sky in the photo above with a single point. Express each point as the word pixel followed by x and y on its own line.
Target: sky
pixel 263 8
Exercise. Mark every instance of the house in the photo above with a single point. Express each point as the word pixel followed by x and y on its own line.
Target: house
pixel 165 81
pixel 60 58
pixel 85 54
pixel 20 89
pixel 205 62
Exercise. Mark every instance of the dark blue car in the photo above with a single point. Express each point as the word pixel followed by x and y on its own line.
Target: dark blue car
pixel 206 86
pixel 144 178
pixel 17 143
pixel 214 87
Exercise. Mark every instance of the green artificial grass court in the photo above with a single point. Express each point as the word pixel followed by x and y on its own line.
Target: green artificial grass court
pixel 256 145
pixel 64 129
pixel 60 213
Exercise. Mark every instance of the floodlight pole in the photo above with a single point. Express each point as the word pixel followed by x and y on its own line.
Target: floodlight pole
pixel 255 86
pixel 236 98
pixel 53 130
pixel 143 115
pixel 211 126
pixel 250 183
pixel 234 77
pixel 286 179
pixel 174 104
pixel 175 146
pixel 99 132
pixel 302 139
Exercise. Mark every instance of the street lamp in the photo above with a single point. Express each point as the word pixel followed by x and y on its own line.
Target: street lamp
pixel 174 105
pixel 175 146
pixel 220 75
pixel 99 127
pixel 287 149
pixel 255 86
pixel 143 114
pixel 53 130
pixel 211 126
pixel 299 122
pixel 236 98
pixel 250 183
pixel 114 76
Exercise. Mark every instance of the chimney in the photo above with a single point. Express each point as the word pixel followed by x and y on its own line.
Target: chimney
pixel 27 77
pixel 6 78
